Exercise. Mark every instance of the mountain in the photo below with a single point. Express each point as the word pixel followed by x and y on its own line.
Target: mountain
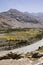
pixel 16 19
pixel 38 16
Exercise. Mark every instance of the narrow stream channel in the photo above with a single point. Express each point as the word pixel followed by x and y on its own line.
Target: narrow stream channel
pixel 30 48
pixel 25 49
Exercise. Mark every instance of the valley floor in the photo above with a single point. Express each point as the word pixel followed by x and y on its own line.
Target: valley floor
pixel 23 58
pixel 25 49
pixel 30 54
pixel 22 61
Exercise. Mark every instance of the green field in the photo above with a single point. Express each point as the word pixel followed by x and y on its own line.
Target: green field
pixel 15 38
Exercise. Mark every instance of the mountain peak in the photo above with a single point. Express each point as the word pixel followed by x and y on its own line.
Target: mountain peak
pixel 13 11
pixel 14 18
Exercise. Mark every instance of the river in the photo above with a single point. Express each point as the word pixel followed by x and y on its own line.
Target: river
pixel 30 48
pixel 25 49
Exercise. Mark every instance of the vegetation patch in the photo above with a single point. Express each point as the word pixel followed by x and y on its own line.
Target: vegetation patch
pixel 14 38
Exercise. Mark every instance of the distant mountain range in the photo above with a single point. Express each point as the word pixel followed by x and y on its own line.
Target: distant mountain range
pixel 16 19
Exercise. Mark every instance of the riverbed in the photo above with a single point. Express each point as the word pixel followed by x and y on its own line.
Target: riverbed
pixel 25 49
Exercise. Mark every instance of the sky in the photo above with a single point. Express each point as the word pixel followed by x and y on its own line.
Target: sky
pixel 22 5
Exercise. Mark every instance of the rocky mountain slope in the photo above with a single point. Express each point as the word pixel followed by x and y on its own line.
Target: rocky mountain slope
pixel 16 19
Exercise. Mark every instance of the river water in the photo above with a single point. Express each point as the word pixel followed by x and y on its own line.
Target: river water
pixel 30 48
pixel 25 49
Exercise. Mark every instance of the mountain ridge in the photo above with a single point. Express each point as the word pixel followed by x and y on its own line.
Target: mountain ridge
pixel 16 19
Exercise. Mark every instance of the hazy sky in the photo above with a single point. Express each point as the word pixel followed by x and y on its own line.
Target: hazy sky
pixel 22 5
